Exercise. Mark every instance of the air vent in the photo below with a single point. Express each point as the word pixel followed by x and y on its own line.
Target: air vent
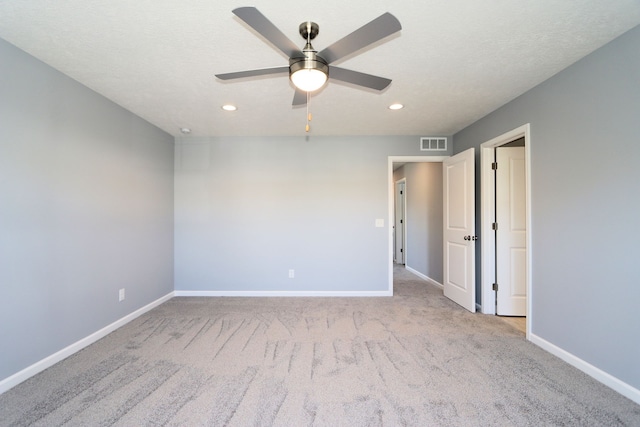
pixel 433 143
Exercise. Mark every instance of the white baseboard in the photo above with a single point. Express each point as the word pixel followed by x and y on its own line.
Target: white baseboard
pixel 424 277
pixel 609 380
pixel 51 360
pixel 283 293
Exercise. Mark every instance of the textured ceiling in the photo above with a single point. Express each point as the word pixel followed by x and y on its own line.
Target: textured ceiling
pixel 453 62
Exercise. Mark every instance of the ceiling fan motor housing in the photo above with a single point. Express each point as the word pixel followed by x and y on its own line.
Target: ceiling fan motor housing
pixel 311 63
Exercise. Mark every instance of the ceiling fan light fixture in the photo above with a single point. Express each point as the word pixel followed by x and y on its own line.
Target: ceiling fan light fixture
pixel 308 74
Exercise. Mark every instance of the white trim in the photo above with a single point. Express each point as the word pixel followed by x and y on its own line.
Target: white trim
pixel 283 293
pixel 51 360
pixel 390 193
pixel 424 277
pixel 598 374
pixel 487 253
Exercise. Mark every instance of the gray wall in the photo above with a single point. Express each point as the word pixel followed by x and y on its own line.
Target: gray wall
pixel 250 209
pixel 86 208
pixel 424 217
pixel 585 170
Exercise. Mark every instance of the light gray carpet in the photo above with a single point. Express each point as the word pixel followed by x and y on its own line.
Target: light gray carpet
pixel 415 359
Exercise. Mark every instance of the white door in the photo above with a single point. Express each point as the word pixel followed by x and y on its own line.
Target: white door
pixel 511 242
pixel 459 229
pixel 399 222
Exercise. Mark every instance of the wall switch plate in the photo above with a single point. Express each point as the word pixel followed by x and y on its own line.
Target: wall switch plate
pixel 121 295
pixel 292 274
pixel 379 222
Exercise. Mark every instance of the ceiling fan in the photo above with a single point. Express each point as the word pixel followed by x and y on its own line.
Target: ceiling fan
pixel 308 69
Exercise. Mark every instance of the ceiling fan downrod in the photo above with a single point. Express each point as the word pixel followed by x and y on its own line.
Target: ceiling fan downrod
pixel 311 72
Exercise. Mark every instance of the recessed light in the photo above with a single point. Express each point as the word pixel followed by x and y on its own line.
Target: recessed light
pixel 185 131
pixel 396 106
pixel 229 107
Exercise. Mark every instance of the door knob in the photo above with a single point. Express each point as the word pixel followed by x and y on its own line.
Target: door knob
pixel 467 237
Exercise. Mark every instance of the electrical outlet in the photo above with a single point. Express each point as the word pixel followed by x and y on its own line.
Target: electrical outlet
pixel 292 274
pixel 121 295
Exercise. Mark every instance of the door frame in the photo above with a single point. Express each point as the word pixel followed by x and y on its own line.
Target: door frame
pixel 487 199
pixel 390 197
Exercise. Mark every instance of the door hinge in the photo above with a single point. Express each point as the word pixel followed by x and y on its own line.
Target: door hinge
pixel 494 166
pixel 495 287
pixel 401 250
pixel 401 221
pixel 494 226
pixel 401 192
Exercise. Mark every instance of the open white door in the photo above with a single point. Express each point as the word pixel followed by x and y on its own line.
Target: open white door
pixel 511 239
pixel 459 229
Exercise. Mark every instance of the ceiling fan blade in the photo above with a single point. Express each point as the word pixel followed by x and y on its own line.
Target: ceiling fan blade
pixel 379 28
pixel 252 73
pixel 299 98
pixel 262 25
pixel 358 78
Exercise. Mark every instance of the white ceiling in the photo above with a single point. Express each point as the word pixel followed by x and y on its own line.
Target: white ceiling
pixel 453 62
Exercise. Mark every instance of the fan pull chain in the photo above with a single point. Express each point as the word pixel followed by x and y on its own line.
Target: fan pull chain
pixel 307 128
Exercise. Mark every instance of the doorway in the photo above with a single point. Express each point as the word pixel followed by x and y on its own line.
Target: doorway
pixel 393 163
pixel 510 229
pixel 517 258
